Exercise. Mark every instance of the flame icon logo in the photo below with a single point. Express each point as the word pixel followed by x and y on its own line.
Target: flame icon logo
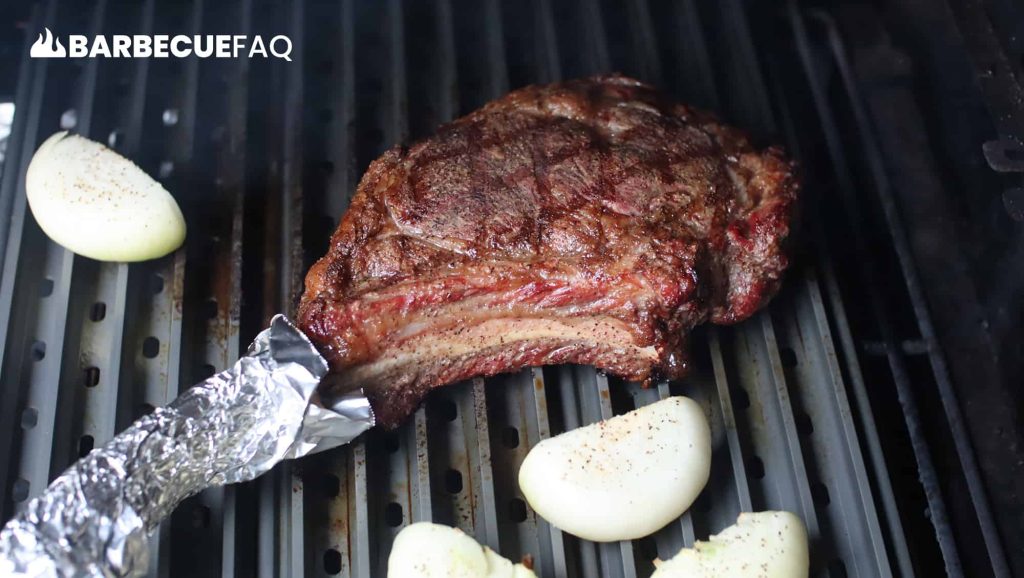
pixel 46 49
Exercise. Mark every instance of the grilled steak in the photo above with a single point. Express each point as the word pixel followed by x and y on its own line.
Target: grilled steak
pixel 591 221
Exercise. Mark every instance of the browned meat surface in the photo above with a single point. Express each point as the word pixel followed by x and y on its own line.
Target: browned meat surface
pixel 591 221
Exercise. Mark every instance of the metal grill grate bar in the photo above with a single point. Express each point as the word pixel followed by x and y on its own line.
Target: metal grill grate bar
pixel 774 392
pixel 420 504
pixel 161 304
pixel 478 511
pixel 485 518
pixel 551 543
pixel 9 179
pixel 808 323
pixel 844 178
pixel 282 495
pixel 647 62
pixel 950 405
pixel 837 475
pixel 164 374
pixel 44 327
pixel 591 388
pixel 551 549
pixel 868 428
pixel 817 365
pixel 344 535
pixel 106 342
pixel 739 470
pixel 101 343
pixel 696 80
pixel 33 469
pixel 21 132
pixel 227 338
pixel 402 470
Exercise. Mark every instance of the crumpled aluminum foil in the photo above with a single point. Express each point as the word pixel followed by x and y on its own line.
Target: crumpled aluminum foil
pixel 94 520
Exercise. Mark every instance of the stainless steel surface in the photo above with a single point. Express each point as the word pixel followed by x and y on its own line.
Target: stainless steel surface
pixel 264 155
pixel 95 519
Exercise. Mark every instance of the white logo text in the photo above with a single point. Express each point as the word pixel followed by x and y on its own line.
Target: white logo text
pixel 163 46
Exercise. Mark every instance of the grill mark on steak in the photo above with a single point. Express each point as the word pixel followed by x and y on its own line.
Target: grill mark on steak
pixel 591 221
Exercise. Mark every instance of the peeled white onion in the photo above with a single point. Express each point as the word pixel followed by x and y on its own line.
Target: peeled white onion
pixel 99 204
pixel 759 545
pixel 623 478
pixel 426 550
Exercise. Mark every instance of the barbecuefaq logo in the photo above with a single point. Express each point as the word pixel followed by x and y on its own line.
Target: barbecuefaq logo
pixel 48 48
pixel 161 46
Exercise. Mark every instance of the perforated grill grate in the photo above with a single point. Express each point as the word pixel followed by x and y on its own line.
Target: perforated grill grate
pixel 263 156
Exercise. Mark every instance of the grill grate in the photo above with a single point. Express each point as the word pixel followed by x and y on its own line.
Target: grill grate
pixel 86 347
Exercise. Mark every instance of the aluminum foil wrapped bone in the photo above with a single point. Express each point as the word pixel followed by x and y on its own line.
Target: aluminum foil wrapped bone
pixel 94 520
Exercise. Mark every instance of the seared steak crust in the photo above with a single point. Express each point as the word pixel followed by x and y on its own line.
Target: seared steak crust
pixel 591 221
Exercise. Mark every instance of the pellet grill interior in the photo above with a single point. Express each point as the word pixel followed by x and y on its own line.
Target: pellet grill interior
pixel 837 402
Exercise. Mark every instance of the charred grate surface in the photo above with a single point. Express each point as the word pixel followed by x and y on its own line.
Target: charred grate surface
pixel 263 156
